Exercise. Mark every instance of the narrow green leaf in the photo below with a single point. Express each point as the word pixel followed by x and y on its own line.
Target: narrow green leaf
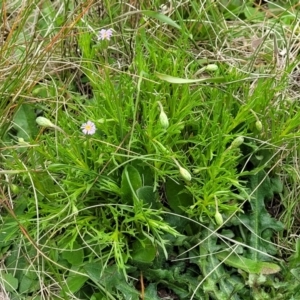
pixel 161 17
pixel 178 80
pixel 248 265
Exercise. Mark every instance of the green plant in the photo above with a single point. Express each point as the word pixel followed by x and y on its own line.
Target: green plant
pixel 144 162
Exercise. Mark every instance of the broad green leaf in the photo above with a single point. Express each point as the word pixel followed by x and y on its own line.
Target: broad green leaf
pixel 94 270
pixel 28 283
pixel 248 265
pixel 178 196
pixel 295 257
pixel 178 80
pixel 17 263
pixel 114 281
pixel 260 222
pixel 296 273
pixel 161 17
pixel 219 283
pixel 143 251
pixel 148 196
pixel 10 282
pixel 75 282
pixel 151 292
pixel 131 182
pixel 75 255
pixel 24 122
pixel 9 231
pixel 252 13
pixel 175 281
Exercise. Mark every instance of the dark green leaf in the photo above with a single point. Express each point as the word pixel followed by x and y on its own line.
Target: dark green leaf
pixel 143 251
pixel 148 196
pixel 29 283
pixel 113 280
pixel 94 270
pixel 10 282
pixel 25 123
pixel 75 255
pixel 131 182
pixel 75 282
pixel 260 222
pixel 178 196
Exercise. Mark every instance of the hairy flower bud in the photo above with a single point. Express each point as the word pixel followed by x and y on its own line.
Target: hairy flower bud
pixel 237 142
pixel 164 121
pixel 163 118
pixel 218 218
pixel 74 210
pixel 47 123
pixel 14 188
pixel 211 67
pixel 258 125
pixel 44 122
pixel 185 174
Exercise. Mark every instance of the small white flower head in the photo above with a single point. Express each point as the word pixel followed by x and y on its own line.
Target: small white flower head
pixel 105 34
pixel 88 128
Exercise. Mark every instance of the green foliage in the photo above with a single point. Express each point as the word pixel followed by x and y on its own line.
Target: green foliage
pixel 196 143
pixel 131 182
pixel 178 196
pixel 24 122
pixel 259 223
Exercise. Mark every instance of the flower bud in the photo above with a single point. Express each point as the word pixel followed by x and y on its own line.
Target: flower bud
pixel 185 174
pixel 163 120
pixel 74 210
pixel 44 122
pixel 258 125
pixel 218 218
pixel 14 188
pixel 22 142
pixel 237 142
pixel 211 67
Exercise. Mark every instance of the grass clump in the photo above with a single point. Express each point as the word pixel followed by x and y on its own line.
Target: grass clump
pixel 149 150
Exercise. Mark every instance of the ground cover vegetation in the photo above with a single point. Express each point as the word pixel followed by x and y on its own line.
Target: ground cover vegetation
pixel 149 149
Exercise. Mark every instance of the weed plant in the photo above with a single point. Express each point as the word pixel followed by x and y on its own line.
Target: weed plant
pixel 149 150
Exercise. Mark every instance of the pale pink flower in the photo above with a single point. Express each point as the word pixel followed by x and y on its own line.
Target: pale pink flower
pixel 88 128
pixel 105 34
